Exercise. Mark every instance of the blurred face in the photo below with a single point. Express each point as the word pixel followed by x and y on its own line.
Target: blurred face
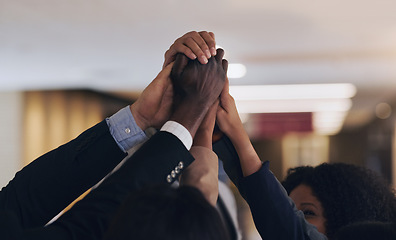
pixel 309 205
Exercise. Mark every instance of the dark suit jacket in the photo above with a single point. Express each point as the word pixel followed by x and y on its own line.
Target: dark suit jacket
pixel 43 188
pixel 274 213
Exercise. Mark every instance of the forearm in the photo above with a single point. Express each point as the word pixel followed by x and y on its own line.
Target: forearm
pixel 90 217
pixel 249 160
pixel 47 185
pixel 274 213
pixel 203 173
pixel 68 171
pixel 203 138
pixel 190 115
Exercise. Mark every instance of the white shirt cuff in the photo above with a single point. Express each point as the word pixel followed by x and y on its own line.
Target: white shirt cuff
pixel 179 131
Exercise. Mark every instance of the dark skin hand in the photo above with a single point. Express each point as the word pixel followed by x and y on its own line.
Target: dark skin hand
pixel 207 133
pixel 196 88
pixel 153 107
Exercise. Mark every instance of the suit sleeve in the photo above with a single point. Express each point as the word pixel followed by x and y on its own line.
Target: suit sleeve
pixel 274 213
pixel 47 185
pixel 231 163
pixel 90 217
pixel 203 173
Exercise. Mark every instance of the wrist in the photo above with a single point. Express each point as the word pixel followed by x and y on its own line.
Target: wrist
pixel 239 136
pixel 140 121
pixel 190 116
pixel 203 139
pixel 234 130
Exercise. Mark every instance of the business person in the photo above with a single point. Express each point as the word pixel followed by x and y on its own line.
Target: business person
pixel 160 160
pixel 274 213
pixel 186 212
pixel 314 202
pixel 51 182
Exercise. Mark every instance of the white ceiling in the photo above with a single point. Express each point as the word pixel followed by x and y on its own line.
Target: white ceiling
pixel 118 45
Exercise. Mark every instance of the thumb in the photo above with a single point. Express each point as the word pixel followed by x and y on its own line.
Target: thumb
pixel 225 91
pixel 179 65
pixel 162 81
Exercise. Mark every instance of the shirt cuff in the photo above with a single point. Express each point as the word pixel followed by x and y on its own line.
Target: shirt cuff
pixel 125 131
pixel 179 131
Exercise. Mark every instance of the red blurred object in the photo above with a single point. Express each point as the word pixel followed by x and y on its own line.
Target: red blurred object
pixel 268 125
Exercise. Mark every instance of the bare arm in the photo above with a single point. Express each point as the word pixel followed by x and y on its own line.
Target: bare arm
pixel 203 172
pixel 231 125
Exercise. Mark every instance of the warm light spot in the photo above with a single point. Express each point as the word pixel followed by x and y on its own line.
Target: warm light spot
pixel 236 70
pixel 383 110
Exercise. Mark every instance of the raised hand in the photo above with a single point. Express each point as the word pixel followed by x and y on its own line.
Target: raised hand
pixel 227 115
pixel 230 124
pixel 203 172
pixel 202 82
pixel 201 45
pixel 204 134
pixel 196 87
pixel 153 107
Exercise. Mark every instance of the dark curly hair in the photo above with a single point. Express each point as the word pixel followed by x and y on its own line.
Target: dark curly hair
pixel 348 193
pixel 367 231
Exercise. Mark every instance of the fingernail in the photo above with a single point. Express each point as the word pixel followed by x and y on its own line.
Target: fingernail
pixel 213 50
pixel 208 55
pixel 203 59
pixel 193 56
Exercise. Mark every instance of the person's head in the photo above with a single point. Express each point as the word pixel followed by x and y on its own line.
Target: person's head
pixel 163 212
pixel 334 195
pixel 367 231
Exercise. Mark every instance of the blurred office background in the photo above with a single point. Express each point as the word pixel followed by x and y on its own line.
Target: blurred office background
pixel 314 81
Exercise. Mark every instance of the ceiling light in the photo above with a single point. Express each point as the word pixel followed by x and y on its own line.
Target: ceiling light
pixel 236 70
pixel 293 105
pixel 329 103
pixel 328 123
pixel 293 91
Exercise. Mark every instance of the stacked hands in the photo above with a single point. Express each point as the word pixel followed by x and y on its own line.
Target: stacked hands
pixel 196 88
pixel 192 89
pixel 193 79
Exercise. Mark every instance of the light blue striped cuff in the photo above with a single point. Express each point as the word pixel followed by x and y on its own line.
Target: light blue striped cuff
pixel 124 129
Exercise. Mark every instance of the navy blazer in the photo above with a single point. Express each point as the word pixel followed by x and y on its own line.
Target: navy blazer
pixel 274 213
pixel 46 186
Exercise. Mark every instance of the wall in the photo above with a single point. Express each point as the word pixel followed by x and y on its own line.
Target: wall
pixel 35 122
pixel 11 134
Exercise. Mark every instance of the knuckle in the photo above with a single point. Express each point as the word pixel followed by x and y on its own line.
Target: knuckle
pixel 191 33
pixel 177 40
pixel 190 41
pixel 167 53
